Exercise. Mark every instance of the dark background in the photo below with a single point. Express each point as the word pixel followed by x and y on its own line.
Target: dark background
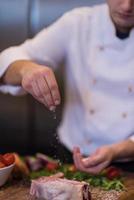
pixel 25 125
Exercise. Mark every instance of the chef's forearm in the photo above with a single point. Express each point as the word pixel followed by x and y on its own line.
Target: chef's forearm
pixel 15 72
pixel 123 150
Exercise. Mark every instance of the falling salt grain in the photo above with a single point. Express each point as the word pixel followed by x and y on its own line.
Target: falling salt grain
pixel 60 164
pixel 54 114
pixel 52 109
pixel 57 138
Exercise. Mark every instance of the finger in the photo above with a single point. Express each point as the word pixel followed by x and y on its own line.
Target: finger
pixel 97 169
pixel 75 156
pixel 78 159
pixel 37 94
pixel 94 159
pixel 76 150
pixel 52 84
pixel 46 93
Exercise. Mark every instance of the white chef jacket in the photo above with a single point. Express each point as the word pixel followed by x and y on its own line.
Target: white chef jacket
pixel 99 69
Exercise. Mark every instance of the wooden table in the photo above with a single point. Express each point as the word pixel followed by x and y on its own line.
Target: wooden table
pixel 16 191
pixel 20 191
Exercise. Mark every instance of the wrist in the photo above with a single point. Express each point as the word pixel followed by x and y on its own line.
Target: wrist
pixel 123 150
pixel 25 67
pixel 114 151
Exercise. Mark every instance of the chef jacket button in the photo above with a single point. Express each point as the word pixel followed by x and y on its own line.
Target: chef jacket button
pixel 88 141
pixel 92 111
pixel 130 89
pixel 94 81
pixel 101 48
pixel 124 115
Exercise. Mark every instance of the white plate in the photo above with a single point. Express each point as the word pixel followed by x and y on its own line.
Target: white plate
pixel 5 173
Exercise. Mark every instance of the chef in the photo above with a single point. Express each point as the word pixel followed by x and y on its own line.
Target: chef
pixel 97 47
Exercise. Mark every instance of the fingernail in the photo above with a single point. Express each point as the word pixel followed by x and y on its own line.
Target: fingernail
pixel 57 102
pixel 85 160
pixel 52 108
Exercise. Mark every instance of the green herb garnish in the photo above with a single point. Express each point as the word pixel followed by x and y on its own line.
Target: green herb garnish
pixel 96 181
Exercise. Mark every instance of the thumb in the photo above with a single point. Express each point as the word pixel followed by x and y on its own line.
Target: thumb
pixel 76 150
pixel 93 160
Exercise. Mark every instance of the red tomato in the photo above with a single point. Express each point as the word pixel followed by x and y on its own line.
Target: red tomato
pixel 51 166
pixel 2 165
pixel 2 159
pixel 9 158
pixel 112 173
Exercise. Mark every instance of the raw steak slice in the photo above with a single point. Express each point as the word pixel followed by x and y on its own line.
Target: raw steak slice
pixel 54 188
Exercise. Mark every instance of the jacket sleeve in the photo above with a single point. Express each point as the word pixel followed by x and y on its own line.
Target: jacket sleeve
pixel 48 47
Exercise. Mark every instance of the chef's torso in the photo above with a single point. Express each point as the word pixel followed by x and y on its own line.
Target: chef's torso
pixel 99 103
pixel 99 107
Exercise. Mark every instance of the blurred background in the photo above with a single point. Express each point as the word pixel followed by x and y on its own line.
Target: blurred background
pixel 25 125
